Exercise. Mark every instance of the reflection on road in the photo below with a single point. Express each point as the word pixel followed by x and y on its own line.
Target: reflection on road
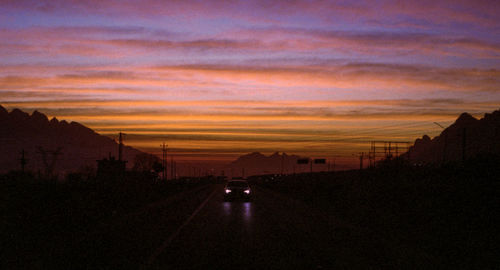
pixel 239 210
pixel 227 208
pixel 247 211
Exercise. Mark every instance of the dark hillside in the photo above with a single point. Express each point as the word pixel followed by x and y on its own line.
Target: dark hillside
pixel 78 145
pixel 466 138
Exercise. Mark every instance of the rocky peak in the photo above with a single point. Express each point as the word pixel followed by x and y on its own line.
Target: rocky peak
pixel 275 154
pixel 54 121
pixel 492 117
pixel 251 156
pixel 423 141
pixel 63 123
pixel 465 119
pixel 17 114
pixel 482 138
pixel 39 117
pixel 3 111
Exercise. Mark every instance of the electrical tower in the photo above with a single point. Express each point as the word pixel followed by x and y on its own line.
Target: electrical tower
pixel 386 150
pixel 120 146
pixel 49 166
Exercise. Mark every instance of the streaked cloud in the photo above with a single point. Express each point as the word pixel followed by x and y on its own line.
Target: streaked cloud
pixel 220 78
pixel 482 13
pixel 104 41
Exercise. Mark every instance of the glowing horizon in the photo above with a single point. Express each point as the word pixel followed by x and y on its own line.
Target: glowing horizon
pixel 217 79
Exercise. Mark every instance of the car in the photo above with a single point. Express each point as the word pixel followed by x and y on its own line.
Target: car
pixel 237 189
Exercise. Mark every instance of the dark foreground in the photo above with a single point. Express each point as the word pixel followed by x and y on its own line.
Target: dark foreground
pixel 378 219
pixel 264 233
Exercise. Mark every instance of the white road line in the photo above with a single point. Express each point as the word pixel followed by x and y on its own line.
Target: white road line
pixel 167 242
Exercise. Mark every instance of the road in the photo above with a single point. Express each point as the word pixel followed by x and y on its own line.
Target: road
pixel 197 229
pixel 270 232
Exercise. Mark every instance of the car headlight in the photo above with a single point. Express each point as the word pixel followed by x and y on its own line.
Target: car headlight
pixel 228 190
pixel 247 191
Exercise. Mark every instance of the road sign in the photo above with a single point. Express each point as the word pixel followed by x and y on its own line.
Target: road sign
pixel 303 161
pixel 320 161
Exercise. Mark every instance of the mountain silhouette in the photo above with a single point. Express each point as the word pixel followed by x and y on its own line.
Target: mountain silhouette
pixel 467 137
pixel 78 146
pixel 256 163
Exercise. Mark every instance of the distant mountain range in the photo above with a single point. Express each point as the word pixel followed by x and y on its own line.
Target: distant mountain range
pixel 467 137
pixel 78 145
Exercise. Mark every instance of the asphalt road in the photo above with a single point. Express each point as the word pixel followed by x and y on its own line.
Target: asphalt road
pixel 197 229
pixel 270 232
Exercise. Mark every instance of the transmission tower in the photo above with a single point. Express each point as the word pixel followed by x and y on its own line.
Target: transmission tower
pixel 49 166
pixel 386 150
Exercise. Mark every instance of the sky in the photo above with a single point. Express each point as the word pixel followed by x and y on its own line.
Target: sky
pixel 217 79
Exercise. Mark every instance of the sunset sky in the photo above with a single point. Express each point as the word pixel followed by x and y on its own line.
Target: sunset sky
pixel 217 79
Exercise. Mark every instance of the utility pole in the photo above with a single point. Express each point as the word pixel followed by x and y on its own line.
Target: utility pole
pixel 164 160
pixel 361 156
pixel 171 167
pixel 175 170
pixel 390 153
pixel 23 161
pixel 120 146
pixel 372 154
pixel 282 162
pixel 311 161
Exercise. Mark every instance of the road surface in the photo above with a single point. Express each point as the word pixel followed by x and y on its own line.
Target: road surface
pixel 201 231
pixel 270 232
